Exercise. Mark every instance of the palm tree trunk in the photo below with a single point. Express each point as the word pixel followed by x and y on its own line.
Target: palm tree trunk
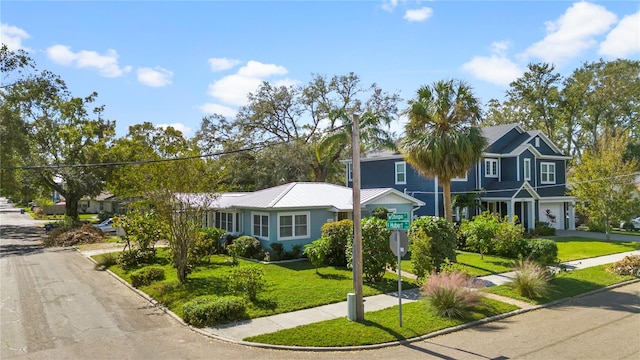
pixel 446 194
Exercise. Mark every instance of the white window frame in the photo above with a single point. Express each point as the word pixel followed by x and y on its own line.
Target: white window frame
pixel 349 171
pixel 253 224
pixel 490 164
pixel 527 169
pixel 537 142
pixel 293 225
pixel 230 226
pixel 404 173
pixel 466 176
pixel 547 173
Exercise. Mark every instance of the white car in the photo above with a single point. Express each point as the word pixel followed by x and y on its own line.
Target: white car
pixel 106 226
pixel 634 224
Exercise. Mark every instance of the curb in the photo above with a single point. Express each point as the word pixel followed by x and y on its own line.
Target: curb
pixel 358 347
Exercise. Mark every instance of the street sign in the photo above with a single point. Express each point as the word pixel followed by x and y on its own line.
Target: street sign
pixel 398 235
pixel 398 221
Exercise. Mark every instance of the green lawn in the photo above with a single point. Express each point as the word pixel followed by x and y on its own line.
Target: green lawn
pixel 379 327
pixel 472 264
pixel 567 284
pixel 576 248
pixel 290 286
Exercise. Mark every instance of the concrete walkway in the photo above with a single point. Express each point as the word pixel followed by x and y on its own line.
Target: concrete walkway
pixel 240 330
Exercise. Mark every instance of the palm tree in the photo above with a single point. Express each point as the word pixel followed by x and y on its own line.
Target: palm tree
pixel 441 136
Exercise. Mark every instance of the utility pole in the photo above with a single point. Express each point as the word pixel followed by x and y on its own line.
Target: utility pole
pixel 357 221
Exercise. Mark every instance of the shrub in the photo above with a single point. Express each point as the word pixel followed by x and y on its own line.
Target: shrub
pixel 104 215
pixel 210 310
pixel 132 258
pixel 105 261
pixel 531 279
pixel 480 232
pixel 339 234
pixel 146 276
pixel 451 294
pixel 296 251
pixel 380 212
pixel 508 241
pixel 376 254
pixel 542 251
pixel 248 280
pixel 206 244
pixel 432 241
pixel 316 251
pixel 277 251
pixel 543 229
pixel 630 265
pixel 248 247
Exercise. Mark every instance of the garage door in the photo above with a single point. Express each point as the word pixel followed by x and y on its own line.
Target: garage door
pixel 553 214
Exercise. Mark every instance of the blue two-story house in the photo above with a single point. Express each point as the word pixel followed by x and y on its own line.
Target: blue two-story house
pixel 521 173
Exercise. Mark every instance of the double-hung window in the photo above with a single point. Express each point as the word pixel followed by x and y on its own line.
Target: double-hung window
pixel 527 169
pixel 349 171
pixel 547 173
pixel 401 172
pixel 260 224
pixel 491 168
pixel 293 226
pixel 225 221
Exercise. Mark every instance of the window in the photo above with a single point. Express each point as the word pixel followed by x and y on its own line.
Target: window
pixel 260 225
pixel 537 142
pixel 464 178
pixel 548 173
pixel 349 171
pixel 401 172
pixel 293 226
pixel 224 221
pixel 527 169
pixel 491 168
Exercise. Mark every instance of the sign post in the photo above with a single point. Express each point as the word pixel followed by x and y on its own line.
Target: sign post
pixel 399 244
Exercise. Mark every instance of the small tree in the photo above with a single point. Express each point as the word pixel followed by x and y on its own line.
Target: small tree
pixel 376 254
pixel 604 182
pixel 432 241
pixel 316 251
pixel 480 232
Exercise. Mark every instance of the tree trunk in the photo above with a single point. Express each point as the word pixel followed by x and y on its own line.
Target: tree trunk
pixel 71 207
pixel 446 195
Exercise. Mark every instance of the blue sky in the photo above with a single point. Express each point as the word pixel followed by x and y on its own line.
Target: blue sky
pixel 171 63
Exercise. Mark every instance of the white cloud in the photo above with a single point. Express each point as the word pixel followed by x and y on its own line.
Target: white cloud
pixel 624 39
pixel 12 36
pixel 107 65
pixel 389 5
pixel 259 70
pixel 233 89
pixel 572 33
pixel 497 68
pixel 417 15
pixel 221 64
pixel 184 129
pixel 211 108
pixel 157 77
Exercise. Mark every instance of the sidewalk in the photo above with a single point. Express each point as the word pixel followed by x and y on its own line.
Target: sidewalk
pixel 240 330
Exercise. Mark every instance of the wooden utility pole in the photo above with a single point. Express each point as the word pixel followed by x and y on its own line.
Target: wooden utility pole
pixel 357 221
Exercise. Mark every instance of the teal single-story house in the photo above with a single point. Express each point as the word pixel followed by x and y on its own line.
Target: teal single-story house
pixel 293 214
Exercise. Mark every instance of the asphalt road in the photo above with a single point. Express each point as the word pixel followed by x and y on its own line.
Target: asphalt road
pixel 54 305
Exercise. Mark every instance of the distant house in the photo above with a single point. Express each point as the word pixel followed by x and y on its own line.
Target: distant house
pixel 105 201
pixel 293 214
pixel 521 173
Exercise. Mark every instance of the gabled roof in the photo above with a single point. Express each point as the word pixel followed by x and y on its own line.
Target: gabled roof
pixel 493 133
pixel 304 195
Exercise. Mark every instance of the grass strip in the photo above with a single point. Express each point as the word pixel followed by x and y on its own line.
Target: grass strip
pixel 473 264
pixel 379 326
pixel 568 284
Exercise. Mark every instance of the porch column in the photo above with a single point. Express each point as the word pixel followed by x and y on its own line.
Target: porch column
pixel 531 207
pixel 510 209
pixel 572 216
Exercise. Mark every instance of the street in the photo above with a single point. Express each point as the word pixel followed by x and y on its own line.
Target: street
pixel 54 305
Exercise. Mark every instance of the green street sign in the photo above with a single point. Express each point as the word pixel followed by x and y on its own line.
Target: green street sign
pixel 397 217
pixel 398 225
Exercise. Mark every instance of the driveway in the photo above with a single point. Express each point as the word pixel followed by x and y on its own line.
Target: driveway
pixel 53 305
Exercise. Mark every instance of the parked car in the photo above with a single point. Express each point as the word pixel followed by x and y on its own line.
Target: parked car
pixel 632 225
pixel 106 226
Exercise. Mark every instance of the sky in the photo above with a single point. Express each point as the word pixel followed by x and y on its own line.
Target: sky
pixel 174 62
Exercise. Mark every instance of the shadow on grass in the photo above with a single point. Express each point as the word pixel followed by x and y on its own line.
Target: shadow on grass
pixel 333 276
